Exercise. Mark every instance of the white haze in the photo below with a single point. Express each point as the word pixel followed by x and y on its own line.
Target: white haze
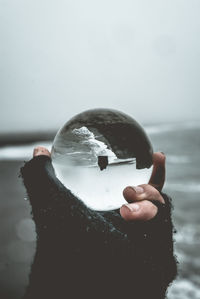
pixel 58 58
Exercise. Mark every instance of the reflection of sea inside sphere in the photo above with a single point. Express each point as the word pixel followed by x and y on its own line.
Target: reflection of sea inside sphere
pixel 86 164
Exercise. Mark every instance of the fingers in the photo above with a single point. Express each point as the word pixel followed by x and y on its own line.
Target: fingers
pixel 140 211
pixel 157 178
pixel 139 206
pixel 142 192
pixel 41 151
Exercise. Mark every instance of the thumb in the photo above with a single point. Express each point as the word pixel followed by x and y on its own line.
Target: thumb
pixel 40 150
pixel 157 178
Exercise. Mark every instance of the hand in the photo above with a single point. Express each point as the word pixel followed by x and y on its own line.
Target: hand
pixel 139 206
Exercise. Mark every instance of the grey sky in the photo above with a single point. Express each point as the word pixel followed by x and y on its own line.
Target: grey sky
pixel 60 57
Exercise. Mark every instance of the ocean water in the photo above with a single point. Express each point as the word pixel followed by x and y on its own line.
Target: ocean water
pixel 181 145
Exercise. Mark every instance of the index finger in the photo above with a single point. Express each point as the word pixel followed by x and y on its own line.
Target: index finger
pixel 157 178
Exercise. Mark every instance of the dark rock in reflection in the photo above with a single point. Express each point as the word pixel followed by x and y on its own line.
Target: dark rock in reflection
pixel 102 162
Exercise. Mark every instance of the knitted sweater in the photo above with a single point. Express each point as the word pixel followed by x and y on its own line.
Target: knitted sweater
pixel 82 253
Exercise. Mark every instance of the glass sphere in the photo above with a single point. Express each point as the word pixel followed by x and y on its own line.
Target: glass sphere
pixel 99 152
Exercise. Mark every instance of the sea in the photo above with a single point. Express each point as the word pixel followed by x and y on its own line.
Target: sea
pixel 181 144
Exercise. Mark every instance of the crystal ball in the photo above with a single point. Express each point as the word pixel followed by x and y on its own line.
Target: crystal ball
pixel 99 152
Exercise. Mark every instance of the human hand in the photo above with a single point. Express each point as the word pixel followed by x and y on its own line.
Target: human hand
pixel 40 150
pixel 139 206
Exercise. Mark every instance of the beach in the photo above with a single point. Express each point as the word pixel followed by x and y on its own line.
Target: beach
pixel 181 145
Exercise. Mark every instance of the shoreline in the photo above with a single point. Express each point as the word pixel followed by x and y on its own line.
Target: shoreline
pixel 19 138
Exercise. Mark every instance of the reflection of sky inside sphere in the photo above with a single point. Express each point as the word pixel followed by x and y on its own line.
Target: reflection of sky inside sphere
pixel 100 152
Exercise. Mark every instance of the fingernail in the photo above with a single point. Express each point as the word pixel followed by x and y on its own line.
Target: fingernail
pixel 132 207
pixel 163 153
pixel 137 189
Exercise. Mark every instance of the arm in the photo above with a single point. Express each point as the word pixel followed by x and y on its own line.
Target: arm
pixel 150 265
pixel 157 245
pixel 154 234
pixel 135 254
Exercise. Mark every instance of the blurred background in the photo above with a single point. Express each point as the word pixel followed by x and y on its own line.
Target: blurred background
pixel 59 58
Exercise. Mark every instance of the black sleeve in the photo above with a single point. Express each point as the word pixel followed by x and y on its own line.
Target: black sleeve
pixel 55 206
pixel 150 262
pixel 152 244
pixel 162 231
